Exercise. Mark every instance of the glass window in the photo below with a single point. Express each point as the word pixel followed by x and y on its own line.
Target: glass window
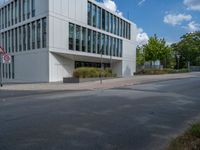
pixel 20 39
pixel 99 18
pixel 102 43
pixel 28 37
pixel 83 39
pixel 103 19
pixel 44 33
pixel 114 25
pixel 89 41
pixel 33 35
pixel 111 46
pixel 89 13
pixel 94 15
pixel 24 38
pixel 121 47
pixel 38 34
pixel 24 9
pixel 5 16
pixel 107 21
pixel 9 15
pixel 71 36
pixel 107 45
pixel 19 11
pixel 9 41
pixel 111 23
pixel 28 9
pixel 13 67
pixel 33 8
pixel 78 37
pixel 16 10
pixel 12 14
pixel 94 41
pixel 114 47
pixel 16 40
pixel 99 43
pixel 12 41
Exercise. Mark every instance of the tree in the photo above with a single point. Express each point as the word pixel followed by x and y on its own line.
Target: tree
pixel 157 49
pixel 188 49
pixel 140 60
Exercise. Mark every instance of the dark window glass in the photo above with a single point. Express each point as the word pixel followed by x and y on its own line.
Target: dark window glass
pixel 94 15
pixel 38 34
pixel 103 19
pixel 84 39
pixel 16 10
pixel 33 8
pixel 20 39
pixel 94 41
pixel 107 45
pixel 99 43
pixel 78 37
pixel 33 35
pixel 71 36
pixel 89 40
pixel 24 38
pixel 102 43
pixel 44 33
pixel 28 9
pixel 13 67
pixel 107 21
pixel 111 46
pixel 19 10
pixel 99 18
pixel 29 36
pixel 16 40
pixel 89 13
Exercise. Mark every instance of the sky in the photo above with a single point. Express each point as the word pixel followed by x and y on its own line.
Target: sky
pixel 169 19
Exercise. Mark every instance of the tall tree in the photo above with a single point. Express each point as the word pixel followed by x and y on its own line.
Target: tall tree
pixel 156 49
pixel 188 49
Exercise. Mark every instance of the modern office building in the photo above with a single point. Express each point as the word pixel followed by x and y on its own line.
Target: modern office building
pixel 48 39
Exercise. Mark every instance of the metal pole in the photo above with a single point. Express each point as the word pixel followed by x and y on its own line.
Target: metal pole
pixel 101 80
pixel 1 74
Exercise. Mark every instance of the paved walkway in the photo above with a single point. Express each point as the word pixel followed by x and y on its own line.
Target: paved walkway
pixel 107 84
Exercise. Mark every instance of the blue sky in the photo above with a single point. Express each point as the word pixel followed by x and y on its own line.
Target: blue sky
pixel 166 18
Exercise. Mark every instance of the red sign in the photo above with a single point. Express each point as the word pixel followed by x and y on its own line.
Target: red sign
pixel 6 58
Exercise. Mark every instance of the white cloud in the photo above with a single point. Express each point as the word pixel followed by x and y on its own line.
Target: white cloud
pixel 142 37
pixel 192 26
pixel 174 19
pixel 192 4
pixel 111 5
pixel 141 2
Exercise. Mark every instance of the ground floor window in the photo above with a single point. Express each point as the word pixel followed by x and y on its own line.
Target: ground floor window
pixel 79 64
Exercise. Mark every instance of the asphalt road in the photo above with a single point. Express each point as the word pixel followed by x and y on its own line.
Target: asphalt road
pixel 139 117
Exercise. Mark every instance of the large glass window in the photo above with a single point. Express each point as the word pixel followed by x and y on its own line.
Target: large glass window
pixel 83 39
pixel 78 37
pixel 19 11
pixel 111 46
pixel 94 15
pixel 89 13
pixel 12 14
pixel 103 43
pixel 28 37
pixel 24 9
pixel 16 40
pixel 44 33
pixel 16 10
pixel 24 38
pixel 12 40
pixel 99 43
pixel 99 18
pixel 9 15
pixel 107 21
pixel 111 23
pixel 107 44
pixel 13 67
pixel 28 9
pixel 20 39
pixel 103 19
pixel 33 35
pixel 38 34
pixel 94 41
pixel 33 8
pixel 71 36
pixel 89 41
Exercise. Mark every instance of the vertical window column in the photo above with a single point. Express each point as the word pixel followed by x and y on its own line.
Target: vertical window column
pixel 44 33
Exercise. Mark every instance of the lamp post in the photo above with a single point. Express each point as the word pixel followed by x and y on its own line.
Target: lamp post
pixel 178 57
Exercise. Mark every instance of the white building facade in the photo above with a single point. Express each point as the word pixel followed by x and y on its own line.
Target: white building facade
pixel 48 39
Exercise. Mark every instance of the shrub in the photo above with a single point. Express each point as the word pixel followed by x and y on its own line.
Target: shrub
pixel 160 71
pixel 91 72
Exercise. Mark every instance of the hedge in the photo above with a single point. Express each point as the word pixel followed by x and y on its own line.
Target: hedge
pixel 92 72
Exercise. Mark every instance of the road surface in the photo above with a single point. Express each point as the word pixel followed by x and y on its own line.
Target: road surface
pixel 138 117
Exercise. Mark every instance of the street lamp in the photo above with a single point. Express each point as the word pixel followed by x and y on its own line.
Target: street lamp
pixel 178 57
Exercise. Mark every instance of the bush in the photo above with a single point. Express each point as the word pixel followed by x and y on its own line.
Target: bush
pixel 160 71
pixel 91 72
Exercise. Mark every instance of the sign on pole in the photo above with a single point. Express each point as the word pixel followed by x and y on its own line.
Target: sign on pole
pixel 6 58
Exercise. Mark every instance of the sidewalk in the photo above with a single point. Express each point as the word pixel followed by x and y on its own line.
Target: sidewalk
pixel 107 84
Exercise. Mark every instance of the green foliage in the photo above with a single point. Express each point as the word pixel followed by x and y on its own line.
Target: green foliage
pixel 188 49
pixel 160 71
pixel 140 56
pixel 156 49
pixel 91 72
pixel 190 140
